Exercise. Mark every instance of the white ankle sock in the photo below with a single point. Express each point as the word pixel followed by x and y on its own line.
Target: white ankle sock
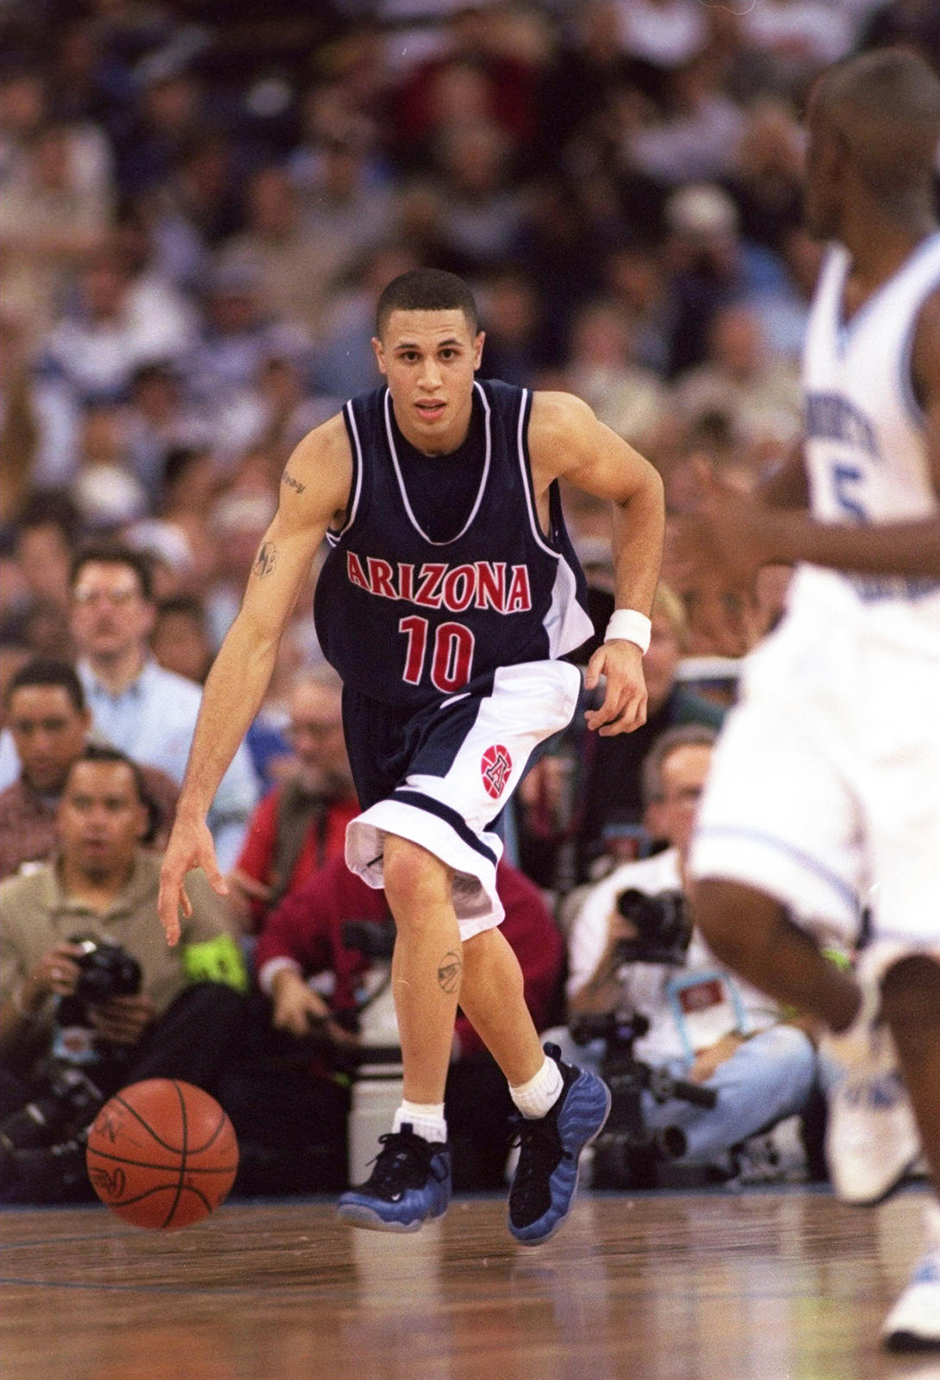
pixel 540 1094
pixel 426 1119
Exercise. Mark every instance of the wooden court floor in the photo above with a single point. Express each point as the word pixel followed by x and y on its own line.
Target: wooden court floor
pixel 759 1285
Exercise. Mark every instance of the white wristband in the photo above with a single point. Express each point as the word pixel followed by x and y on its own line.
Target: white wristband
pixel 630 626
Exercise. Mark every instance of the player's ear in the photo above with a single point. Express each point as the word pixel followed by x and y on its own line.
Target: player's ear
pixel 478 348
pixel 379 352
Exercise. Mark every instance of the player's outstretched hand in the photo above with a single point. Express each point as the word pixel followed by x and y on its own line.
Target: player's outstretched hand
pixel 190 845
pixel 727 529
pixel 624 705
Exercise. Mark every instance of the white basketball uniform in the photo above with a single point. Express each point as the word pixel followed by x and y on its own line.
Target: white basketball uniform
pixel 825 786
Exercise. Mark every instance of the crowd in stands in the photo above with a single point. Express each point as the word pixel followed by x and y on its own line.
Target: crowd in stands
pixel 198 208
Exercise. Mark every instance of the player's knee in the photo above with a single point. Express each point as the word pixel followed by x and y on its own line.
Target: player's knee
pixel 414 879
pixel 716 916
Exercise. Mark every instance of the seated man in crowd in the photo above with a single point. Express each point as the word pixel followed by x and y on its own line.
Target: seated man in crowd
pixel 50 724
pixel 705 1026
pixel 305 938
pixel 135 704
pixel 69 1039
pixel 300 824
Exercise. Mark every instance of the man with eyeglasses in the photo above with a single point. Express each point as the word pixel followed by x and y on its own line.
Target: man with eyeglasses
pixel 137 705
pixel 300 825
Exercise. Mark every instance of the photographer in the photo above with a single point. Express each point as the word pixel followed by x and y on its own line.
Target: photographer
pixel 88 1002
pixel 633 948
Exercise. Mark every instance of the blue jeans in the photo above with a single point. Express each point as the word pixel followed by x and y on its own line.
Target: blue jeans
pixel 767 1079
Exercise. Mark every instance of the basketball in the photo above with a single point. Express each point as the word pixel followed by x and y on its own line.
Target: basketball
pixel 162 1154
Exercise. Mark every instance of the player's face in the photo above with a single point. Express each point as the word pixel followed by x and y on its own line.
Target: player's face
pixel 49 733
pixel 100 819
pixel 429 359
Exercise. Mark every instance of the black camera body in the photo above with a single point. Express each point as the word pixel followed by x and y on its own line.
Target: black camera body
pixel 106 970
pixel 627 1154
pixel 663 925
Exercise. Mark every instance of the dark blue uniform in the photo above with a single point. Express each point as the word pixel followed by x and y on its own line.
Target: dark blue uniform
pixel 445 608
pixel 441 573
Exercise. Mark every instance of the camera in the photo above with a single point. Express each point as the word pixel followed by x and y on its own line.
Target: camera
pixel 370 937
pixel 628 1153
pixel 106 970
pixel 663 927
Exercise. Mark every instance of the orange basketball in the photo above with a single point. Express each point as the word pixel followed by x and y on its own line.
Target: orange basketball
pixel 162 1154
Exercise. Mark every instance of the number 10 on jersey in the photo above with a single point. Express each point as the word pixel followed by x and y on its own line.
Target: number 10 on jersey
pixel 451 655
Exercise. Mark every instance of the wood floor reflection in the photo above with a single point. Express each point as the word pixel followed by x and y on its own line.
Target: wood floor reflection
pixel 755 1286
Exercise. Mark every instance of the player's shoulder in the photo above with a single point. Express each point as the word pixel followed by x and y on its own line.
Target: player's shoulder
pixel 558 417
pixel 327 441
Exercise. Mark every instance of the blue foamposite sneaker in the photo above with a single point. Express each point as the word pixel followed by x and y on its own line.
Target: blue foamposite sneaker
pixel 411 1182
pixel 546 1178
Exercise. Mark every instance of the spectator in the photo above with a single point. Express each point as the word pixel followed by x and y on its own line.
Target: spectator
pixel 238 335
pixel 49 724
pixel 603 370
pixel 180 638
pixel 304 937
pixel 300 824
pixel 293 264
pixel 710 266
pixel 760 396
pixel 705 1026
pixel 48 223
pixel 102 886
pixel 135 704
pixel 44 537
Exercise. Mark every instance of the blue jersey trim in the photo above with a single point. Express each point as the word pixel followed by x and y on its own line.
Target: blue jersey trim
pixel 457 822
pixel 805 860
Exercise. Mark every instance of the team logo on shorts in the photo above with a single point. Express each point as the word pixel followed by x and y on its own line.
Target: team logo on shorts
pixel 495 765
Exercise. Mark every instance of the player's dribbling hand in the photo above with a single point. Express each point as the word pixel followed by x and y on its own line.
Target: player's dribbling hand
pixel 190 846
pixel 624 704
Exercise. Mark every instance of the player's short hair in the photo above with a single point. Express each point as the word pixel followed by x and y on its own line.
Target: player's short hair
pixel 680 736
pixel 426 289
pixel 43 671
pixel 115 553
pixel 887 106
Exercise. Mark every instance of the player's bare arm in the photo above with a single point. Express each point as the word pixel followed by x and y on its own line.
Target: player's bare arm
pixel 313 496
pixel 566 440
pixel 744 535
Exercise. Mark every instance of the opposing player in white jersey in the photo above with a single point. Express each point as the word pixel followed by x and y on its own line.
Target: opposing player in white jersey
pixel 824 795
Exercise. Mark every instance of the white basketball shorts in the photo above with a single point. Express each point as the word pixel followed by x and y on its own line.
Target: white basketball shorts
pixel 470 754
pixel 824 790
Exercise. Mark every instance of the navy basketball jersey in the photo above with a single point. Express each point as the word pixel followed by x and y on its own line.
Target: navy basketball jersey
pixel 414 601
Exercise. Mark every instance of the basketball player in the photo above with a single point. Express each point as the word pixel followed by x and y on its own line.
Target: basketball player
pixel 825 790
pixel 449 592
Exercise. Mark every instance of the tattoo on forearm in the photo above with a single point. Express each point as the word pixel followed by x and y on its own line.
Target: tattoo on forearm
pixel 293 483
pixel 448 972
pixel 266 559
